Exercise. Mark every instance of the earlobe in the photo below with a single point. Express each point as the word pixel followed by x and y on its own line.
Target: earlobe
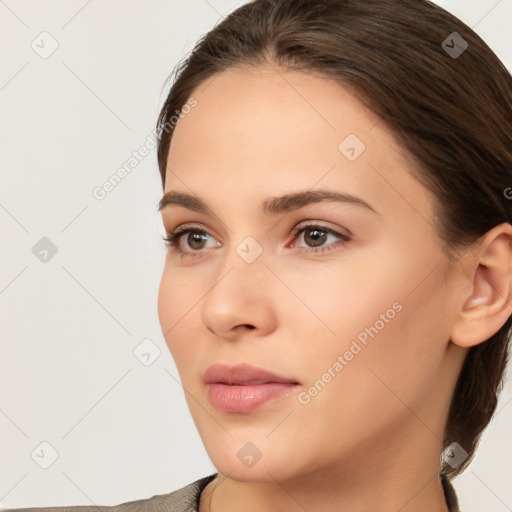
pixel 489 303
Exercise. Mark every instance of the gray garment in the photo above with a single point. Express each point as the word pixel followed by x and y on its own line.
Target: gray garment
pixel 186 499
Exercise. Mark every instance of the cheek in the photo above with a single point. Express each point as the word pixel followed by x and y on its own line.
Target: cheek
pixel 177 298
pixel 336 302
pixel 391 346
pixel 386 323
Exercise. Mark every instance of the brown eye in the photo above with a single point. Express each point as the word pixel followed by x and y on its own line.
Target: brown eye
pixel 315 237
pixel 196 240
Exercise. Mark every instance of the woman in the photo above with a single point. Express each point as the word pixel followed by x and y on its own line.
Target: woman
pixel 336 292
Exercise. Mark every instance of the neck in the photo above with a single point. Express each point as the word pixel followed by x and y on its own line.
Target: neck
pixel 323 494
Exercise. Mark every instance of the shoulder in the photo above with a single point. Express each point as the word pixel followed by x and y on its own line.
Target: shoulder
pixel 185 499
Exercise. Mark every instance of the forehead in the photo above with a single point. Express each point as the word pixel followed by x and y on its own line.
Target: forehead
pixel 269 130
pixel 264 107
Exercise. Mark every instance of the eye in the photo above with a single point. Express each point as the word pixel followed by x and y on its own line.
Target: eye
pixel 315 236
pixel 196 238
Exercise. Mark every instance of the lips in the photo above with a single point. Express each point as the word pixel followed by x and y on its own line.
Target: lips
pixel 242 388
pixel 242 374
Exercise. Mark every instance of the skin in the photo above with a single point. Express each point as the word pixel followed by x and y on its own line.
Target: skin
pixel 371 438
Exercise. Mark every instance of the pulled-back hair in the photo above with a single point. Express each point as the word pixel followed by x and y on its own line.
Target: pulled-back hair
pixel 449 106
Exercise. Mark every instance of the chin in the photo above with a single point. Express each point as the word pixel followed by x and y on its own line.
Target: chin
pixel 253 458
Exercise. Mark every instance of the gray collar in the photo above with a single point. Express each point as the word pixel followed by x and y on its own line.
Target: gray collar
pixel 193 492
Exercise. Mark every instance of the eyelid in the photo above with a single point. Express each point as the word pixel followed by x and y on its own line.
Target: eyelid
pixel 324 225
pixel 303 227
pixel 173 239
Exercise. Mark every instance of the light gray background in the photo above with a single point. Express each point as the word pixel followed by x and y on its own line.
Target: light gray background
pixel 69 376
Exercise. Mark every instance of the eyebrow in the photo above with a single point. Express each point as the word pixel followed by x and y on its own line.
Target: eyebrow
pixel 270 206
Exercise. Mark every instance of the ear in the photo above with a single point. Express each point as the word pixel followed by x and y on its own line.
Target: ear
pixel 489 303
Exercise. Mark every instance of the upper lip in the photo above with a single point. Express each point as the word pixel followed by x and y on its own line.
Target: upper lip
pixel 242 374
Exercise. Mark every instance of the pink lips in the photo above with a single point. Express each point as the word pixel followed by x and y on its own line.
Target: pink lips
pixel 242 388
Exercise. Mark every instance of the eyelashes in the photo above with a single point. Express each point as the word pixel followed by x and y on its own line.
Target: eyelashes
pixel 320 235
pixel 173 241
pixel 197 234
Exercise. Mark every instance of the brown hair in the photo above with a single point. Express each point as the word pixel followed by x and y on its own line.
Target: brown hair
pixel 451 112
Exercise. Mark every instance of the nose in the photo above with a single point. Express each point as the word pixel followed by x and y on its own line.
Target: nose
pixel 240 300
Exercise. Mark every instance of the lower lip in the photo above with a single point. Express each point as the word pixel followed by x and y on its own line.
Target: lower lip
pixel 241 399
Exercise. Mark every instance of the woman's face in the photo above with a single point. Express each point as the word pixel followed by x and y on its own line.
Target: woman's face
pixel 349 300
